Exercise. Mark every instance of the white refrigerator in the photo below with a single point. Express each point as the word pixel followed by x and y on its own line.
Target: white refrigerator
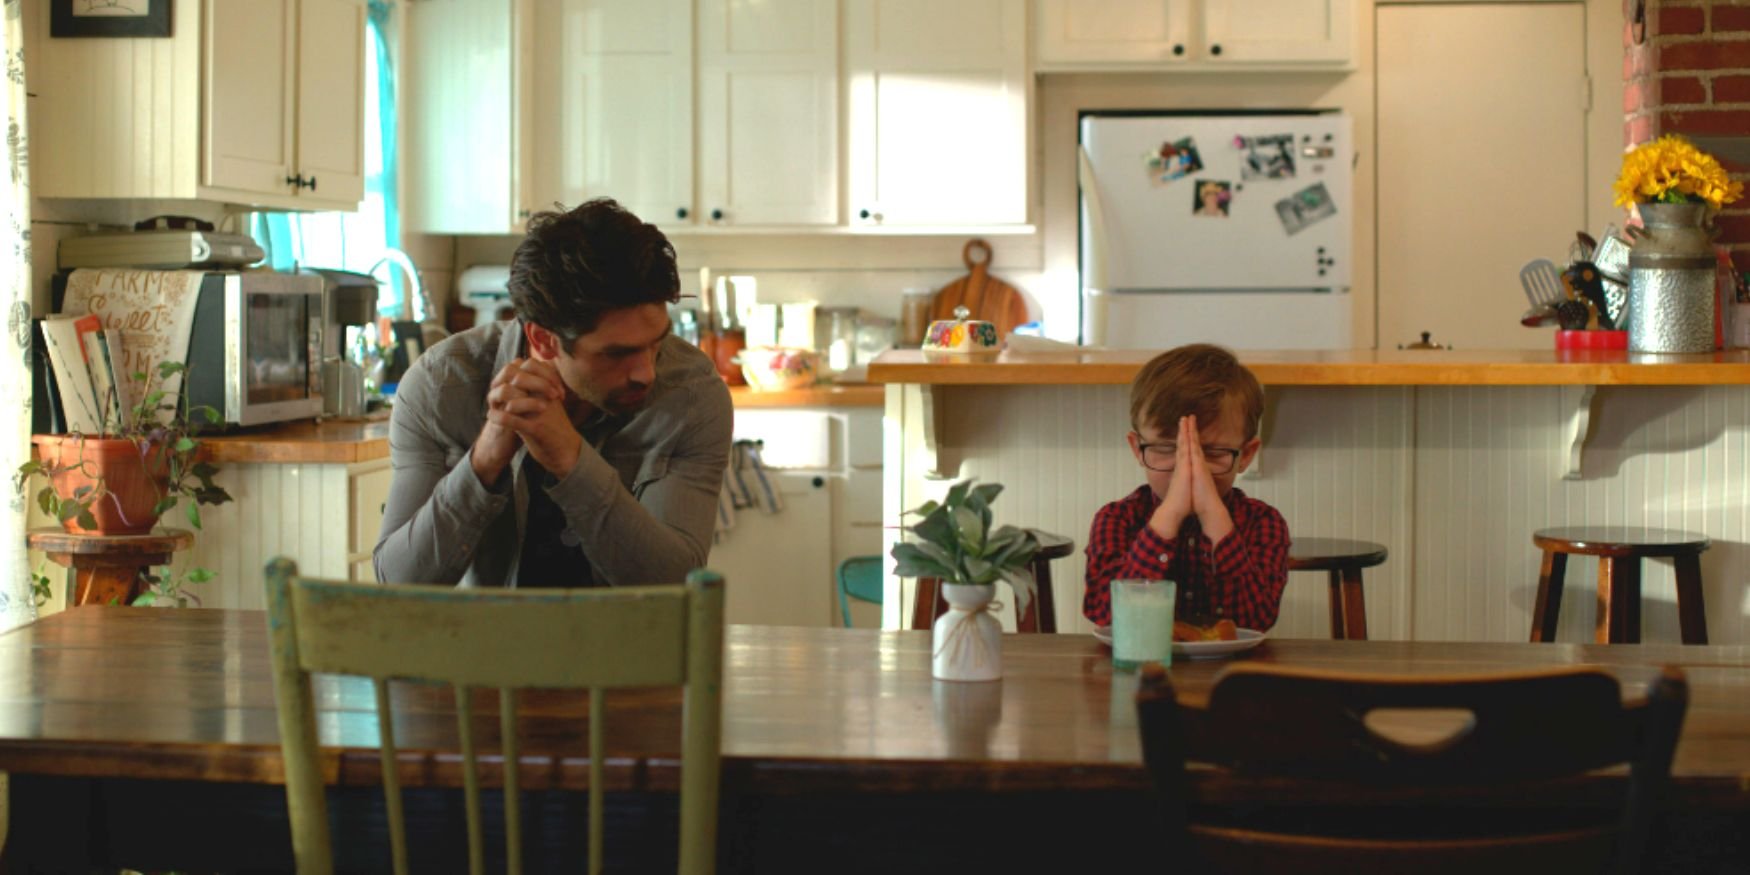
pixel 1230 228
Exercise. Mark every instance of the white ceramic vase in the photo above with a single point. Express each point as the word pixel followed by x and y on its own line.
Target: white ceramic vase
pixel 966 644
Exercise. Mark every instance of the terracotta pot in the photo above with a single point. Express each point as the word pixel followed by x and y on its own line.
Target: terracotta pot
pixel 132 485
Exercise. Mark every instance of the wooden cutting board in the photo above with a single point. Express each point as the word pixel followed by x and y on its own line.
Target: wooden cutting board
pixel 985 297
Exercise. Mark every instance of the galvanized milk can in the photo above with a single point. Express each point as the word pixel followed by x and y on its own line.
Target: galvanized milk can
pixel 1671 280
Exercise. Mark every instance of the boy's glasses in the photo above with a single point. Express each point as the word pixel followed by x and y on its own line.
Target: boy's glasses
pixel 1160 457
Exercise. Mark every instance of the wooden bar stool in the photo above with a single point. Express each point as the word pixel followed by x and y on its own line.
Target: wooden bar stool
pixel 1343 559
pixel 1041 613
pixel 106 568
pixel 1620 550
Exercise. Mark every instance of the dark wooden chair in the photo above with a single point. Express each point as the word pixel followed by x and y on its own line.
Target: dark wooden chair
pixel 1041 613
pixel 1377 790
pixel 1343 560
pixel 1620 550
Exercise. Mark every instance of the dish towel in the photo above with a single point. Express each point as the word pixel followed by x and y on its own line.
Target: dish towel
pixel 746 484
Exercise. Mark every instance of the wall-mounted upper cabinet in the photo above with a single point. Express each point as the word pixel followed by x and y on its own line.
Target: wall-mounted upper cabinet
pixel 718 114
pixel 256 102
pixel 615 117
pixel 1092 35
pixel 768 112
pixel 938 97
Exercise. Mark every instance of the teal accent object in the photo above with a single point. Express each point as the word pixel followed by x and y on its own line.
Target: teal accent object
pixel 380 17
pixel 859 578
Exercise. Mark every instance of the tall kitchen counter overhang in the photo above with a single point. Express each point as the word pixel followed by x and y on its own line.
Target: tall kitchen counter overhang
pixel 1360 367
pixel 1449 458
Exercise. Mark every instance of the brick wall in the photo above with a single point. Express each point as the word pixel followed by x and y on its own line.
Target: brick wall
pixel 1689 73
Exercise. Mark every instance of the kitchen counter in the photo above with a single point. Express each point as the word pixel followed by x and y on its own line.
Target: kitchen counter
pixel 1451 459
pixel 350 442
pixel 322 443
pixel 848 395
pixel 1359 367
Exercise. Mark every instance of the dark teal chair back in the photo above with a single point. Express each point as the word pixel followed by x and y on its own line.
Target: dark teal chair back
pixel 859 578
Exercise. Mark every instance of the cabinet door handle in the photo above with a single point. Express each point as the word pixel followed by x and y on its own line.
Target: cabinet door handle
pixel 1215 49
pixel 311 183
pixel 818 482
pixel 522 214
pixel 295 181
pixel 862 214
pixel 1178 48
pixel 716 215
pixel 680 213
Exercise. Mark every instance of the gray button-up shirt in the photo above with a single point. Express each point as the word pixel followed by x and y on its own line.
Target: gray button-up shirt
pixel 643 503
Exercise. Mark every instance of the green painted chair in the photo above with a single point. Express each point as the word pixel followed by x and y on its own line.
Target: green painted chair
pixel 859 578
pixel 644 636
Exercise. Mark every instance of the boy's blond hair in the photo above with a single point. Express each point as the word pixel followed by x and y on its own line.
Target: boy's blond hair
pixel 1200 380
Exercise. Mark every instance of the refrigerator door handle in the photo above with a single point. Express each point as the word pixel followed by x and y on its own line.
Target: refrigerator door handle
pixel 1093 327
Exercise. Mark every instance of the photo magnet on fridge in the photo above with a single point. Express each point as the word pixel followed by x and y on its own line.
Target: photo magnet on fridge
pixel 1210 198
pixel 1305 207
pixel 1173 160
pixel 1270 157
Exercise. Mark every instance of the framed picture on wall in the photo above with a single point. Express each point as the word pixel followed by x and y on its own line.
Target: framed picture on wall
pixel 109 18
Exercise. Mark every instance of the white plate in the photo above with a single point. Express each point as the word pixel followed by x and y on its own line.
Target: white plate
pixel 1248 639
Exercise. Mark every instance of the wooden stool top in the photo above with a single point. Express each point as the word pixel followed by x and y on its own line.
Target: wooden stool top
pixel 1620 541
pixel 1328 554
pixel 1052 546
pixel 59 540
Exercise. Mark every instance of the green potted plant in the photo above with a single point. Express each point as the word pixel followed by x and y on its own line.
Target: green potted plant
pixel 120 481
pixel 954 543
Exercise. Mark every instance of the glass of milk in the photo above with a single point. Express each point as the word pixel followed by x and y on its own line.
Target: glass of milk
pixel 1142 622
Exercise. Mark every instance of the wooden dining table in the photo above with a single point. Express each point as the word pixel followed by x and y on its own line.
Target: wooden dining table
pixel 148 738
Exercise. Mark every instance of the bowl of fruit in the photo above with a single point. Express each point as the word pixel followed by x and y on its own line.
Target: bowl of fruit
pixel 777 368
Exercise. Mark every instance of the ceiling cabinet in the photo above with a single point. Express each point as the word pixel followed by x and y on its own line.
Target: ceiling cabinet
pixel 768 112
pixel 617 118
pixel 937 114
pixel 256 102
pixel 719 114
pixel 1193 34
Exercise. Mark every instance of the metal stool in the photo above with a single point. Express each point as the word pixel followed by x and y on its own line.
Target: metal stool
pixel 1620 550
pixel 1344 559
pixel 1041 613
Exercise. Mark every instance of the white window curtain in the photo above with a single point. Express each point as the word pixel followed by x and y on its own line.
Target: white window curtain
pixel 16 605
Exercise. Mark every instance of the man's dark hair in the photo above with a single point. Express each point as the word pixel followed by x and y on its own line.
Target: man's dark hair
pixel 574 266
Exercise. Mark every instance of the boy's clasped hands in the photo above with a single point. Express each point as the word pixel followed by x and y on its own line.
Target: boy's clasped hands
pixel 1194 494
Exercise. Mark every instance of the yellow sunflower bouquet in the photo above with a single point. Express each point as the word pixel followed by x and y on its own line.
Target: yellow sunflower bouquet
pixel 1670 170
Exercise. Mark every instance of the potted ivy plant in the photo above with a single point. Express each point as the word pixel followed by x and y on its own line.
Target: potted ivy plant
pixel 120 481
pixel 953 542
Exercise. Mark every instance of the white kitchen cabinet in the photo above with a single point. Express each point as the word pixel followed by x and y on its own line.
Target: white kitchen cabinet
pixel 1193 34
pixel 617 119
pixel 256 102
pixel 1112 31
pixel 937 114
pixel 768 112
pixel 826 463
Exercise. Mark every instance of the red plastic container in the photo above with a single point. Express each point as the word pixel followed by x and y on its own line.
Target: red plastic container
pixel 1591 339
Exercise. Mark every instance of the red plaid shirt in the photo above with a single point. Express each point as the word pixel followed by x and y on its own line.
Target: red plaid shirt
pixel 1240 578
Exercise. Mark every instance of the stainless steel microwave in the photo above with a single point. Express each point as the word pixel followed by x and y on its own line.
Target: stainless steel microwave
pixel 255 352
pixel 255 346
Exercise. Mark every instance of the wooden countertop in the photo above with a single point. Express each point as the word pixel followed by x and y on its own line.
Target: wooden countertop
pixel 354 441
pixel 1357 367
pixel 321 443
pixel 849 395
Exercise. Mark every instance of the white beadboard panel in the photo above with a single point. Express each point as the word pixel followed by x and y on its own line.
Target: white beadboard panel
pixel 1452 480
pixel 94 92
pixel 1335 466
pixel 295 510
pixel 1489 472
